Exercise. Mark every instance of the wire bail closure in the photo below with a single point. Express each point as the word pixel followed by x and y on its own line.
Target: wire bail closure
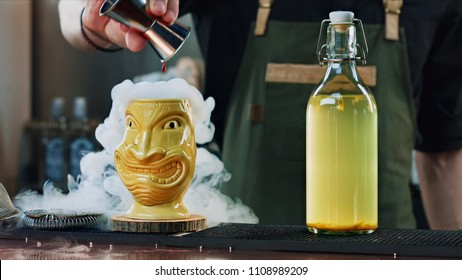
pixel 321 48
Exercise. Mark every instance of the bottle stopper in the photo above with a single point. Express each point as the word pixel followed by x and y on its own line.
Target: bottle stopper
pixel 341 17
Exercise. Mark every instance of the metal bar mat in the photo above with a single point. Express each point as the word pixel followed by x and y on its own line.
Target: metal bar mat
pixel 297 238
pixel 404 242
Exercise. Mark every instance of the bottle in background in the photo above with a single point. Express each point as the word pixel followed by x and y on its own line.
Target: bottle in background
pixel 81 138
pixel 54 141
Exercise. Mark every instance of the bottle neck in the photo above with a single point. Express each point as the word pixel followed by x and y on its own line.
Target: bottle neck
pixel 80 109
pixel 341 42
pixel 341 51
pixel 345 68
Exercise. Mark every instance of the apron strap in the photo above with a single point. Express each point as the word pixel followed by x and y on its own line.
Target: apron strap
pixel 392 11
pixel 264 9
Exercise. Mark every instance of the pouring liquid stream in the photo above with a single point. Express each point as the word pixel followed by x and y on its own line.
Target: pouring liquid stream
pixel 164 66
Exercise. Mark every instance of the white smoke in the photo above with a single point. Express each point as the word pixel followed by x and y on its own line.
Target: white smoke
pixel 99 188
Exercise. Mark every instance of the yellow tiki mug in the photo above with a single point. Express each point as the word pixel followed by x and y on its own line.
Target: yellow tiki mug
pixel 157 157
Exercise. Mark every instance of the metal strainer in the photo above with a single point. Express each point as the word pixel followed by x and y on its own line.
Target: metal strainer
pixel 63 219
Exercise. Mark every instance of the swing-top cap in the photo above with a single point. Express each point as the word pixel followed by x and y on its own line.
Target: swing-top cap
pixel 341 17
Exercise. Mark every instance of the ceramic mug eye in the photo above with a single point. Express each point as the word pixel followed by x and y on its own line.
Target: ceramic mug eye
pixel 130 122
pixel 172 125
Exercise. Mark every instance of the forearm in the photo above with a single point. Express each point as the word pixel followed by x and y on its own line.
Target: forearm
pixel 70 22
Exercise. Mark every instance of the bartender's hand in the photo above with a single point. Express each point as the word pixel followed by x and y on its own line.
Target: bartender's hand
pixel 104 31
pixel 166 10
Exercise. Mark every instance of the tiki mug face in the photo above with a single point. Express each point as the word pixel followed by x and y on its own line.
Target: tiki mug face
pixel 157 157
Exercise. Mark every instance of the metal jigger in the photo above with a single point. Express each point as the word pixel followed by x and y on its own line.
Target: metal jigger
pixel 165 40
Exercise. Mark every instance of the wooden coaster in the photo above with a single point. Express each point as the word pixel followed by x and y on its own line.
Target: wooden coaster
pixel 126 224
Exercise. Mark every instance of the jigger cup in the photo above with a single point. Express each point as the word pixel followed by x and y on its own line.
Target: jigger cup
pixel 165 40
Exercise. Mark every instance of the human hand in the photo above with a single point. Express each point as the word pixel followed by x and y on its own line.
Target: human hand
pixel 105 31
pixel 165 10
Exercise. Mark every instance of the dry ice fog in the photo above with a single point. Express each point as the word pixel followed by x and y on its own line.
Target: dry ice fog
pixel 99 188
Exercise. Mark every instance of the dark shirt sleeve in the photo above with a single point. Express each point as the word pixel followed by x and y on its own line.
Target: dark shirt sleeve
pixel 440 106
pixel 197 6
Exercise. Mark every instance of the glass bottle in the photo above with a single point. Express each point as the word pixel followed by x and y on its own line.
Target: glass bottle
pixel 341 138
pixel 54 141
pixel 81 141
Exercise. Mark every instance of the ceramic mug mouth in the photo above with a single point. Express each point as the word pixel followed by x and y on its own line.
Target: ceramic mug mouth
pixel 163 174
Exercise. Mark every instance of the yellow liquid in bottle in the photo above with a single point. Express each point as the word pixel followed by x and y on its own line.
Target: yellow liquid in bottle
pixel 341 174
